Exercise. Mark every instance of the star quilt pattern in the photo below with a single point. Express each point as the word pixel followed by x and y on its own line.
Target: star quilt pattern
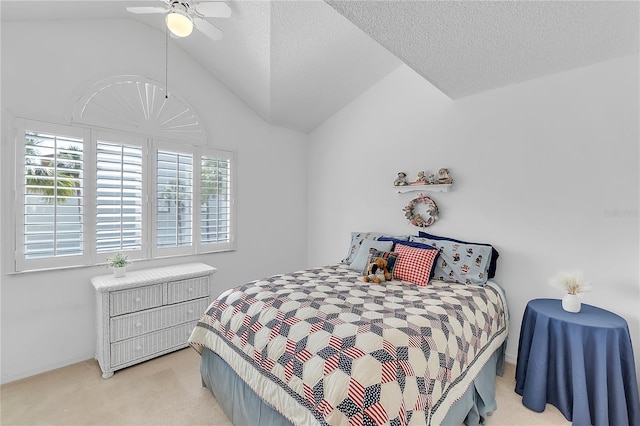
pixel 323 347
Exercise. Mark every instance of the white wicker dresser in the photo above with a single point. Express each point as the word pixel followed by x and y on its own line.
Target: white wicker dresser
pixel 148 312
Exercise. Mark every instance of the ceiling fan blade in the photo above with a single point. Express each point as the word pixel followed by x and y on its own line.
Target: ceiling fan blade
pixel 214 9
pixel 207 29
pixel 146 9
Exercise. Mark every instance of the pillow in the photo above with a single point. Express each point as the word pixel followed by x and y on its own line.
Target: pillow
pixel 414 264
pixel 356 240
pixel 409 243
pixel 390 257
pixel 360 261
pixel 460 263
pixel 494 253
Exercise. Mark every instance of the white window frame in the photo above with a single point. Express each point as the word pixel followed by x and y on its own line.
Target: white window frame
pixel 127 139
pixel 22 264
pixel 170 251
pixel 150 147
pixel 230 245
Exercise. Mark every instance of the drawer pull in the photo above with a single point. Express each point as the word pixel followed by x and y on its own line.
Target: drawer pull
pixel 138 300
pixel 138 324
pixel 190 311
pixel 139 348
pixel 190 290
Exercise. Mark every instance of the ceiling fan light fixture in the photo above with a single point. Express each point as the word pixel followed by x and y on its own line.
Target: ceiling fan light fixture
pixel 178 21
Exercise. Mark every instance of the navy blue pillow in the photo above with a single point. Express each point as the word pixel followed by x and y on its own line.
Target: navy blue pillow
pixel 491 272
pixel 407 243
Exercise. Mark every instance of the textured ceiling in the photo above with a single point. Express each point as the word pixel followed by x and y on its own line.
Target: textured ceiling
pixel 467 47
pixel 298 62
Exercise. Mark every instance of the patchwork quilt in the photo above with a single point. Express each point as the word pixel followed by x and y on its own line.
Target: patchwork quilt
pixel 323 347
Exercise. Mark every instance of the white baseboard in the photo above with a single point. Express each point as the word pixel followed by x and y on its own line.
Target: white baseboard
pixel 13 376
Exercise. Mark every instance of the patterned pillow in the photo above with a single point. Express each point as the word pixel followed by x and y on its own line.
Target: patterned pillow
pixel 493 264
pixel 460 263
pixel 414 264
pixel 356 241
pixel 390 256
pixel 360 261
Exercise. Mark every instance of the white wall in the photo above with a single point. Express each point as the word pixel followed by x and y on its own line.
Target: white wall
pixel 537 166
pixel 537 169
pixel 48 318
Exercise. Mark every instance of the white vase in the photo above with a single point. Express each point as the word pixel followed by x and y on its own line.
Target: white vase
pixel 571 303
pixel 119 272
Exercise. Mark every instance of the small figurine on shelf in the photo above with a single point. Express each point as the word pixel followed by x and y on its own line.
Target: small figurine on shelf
pixel 401 180
pixel 422 179
pixel 443 176
pixel 431 180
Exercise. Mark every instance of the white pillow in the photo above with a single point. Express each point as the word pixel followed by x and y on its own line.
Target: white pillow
pixel 360 262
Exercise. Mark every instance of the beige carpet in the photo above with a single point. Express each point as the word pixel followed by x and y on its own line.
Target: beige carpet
pixel 168 391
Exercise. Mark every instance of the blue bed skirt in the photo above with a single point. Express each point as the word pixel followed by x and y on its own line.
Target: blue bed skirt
pixel 243 407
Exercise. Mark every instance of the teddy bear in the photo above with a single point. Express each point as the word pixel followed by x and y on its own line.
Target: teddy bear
pixel 443 176
pixel 401 180
pixel 377 271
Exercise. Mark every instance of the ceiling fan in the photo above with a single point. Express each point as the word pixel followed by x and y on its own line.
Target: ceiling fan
pixel 183 15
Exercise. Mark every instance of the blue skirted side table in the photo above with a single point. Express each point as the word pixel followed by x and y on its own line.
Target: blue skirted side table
pixel 582 363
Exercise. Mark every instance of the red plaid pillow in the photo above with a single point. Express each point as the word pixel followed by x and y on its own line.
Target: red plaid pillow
pixel 414 264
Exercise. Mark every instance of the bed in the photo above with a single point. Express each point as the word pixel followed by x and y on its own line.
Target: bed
pixel 321 346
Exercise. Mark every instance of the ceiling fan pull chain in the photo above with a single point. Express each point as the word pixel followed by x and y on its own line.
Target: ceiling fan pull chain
pixel 166 63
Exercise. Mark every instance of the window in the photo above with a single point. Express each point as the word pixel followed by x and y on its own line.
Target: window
pixel 174 224
pixel 87 194
pixel 51 212
pixel 53 195
pixel 215 199
pixel 119 206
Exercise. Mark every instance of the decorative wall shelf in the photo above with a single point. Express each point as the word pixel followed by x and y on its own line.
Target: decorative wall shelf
pixel 432 188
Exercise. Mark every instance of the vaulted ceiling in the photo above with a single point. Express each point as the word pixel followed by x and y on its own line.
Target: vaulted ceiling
pixel 298 62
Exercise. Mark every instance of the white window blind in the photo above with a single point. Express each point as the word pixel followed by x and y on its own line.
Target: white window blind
pixel 215 200
pixel 119 180
pixel 53 195
pixel 174 213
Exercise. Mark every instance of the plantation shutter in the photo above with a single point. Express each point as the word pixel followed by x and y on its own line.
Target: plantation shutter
pixel 83 195
pixel 215 200
pixel 52 180
pixel 119 177
pixel 174 198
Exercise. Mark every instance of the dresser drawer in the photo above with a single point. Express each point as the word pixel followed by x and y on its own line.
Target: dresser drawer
pixel 149 344
pixel 135 299
pixel 135 324
pixel 179 291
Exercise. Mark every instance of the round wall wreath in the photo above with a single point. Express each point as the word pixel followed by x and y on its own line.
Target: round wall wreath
pixel 417 219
